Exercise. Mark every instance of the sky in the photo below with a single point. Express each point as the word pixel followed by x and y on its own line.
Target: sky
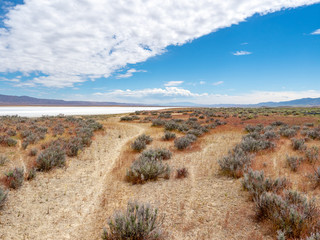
pixel 161 52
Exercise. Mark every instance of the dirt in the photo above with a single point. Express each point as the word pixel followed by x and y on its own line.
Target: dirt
pixel 74 202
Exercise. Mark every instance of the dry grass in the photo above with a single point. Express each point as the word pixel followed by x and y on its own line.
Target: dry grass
pixel 74 202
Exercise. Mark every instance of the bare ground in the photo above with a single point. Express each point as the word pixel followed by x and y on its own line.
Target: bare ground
pixel 73 203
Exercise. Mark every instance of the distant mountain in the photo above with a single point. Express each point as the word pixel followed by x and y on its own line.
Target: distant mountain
pixel 7 100
pixel 311 102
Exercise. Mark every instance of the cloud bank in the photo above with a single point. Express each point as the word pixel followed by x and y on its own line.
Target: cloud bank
pixel 73 41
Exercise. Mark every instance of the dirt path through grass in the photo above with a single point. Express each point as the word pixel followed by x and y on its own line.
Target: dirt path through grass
pixel 59 204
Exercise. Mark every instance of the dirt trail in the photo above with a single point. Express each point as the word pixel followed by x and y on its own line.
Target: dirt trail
pixel 59 204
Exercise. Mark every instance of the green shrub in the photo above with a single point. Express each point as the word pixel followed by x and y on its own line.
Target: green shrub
pixel 15 177
pixel 139 222
pixel 145 169
pixel 235 163
pixel 169 136
pixel 53 156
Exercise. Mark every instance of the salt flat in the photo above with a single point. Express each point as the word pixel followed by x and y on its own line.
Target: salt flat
pixel 34 111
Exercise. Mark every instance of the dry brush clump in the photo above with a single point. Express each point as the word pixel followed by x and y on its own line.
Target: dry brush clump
pixel 298 144
pixel 256 183
pixel 140 221
pixel 235 163
pixel 14 178
pixel 290 212
pixel 294 162
pixel 53 156
pixel 157 154
pixel 182 173
pixel 147 168
pixel 141 142
pixel 3 197
pixel 168 136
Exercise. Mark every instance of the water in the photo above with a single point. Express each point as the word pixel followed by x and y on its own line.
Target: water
pixel 32 111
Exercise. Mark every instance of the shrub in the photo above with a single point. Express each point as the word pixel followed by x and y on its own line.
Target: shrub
pixel 11 142
pixel 3 197
pixel 157 122
pixel 140 221
pixel 235 162
pixel 256 183
pixel 196 132
pixel 11 132
pixel 277 123
pixel 312 154
pixel 169 136
pixel 314 236
pixel 145 169
pixel 31 174
pixel 171 125
pixel 292 213
pixel 157 154
pixel 182 173
pixel 249 128
pixel 3 159
pixel 293 162
pixel 138 145
pixel 15 178
pixel 126 118
pixel 146 138
pixel 33 152
pixel 316 177
pixel 252 145
pixel 53 156
pixel 270 135
pixel 182 143
pixel 288 132
pixel 298 144
pixel 73 146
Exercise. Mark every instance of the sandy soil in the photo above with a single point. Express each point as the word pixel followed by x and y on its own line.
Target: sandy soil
pixel 58 204
pixel 74 203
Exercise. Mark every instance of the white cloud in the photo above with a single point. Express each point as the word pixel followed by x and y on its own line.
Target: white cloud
pixel 173 83
pixel 162 92
pixel 217 83
pixel 78 40
pixel 202 82
pixel 129 73
pixel 256 97
pixel 316 32
pixel 241 53
pixel 175 94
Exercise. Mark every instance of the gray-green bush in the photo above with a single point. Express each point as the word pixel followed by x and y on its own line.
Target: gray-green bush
pixel 139 222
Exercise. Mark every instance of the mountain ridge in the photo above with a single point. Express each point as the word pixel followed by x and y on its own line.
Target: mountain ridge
pixel 10 100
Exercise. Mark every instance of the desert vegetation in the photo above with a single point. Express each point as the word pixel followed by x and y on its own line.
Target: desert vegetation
pixel 203 173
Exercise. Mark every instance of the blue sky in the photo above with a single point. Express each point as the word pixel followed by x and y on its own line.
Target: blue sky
pixel 255 54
